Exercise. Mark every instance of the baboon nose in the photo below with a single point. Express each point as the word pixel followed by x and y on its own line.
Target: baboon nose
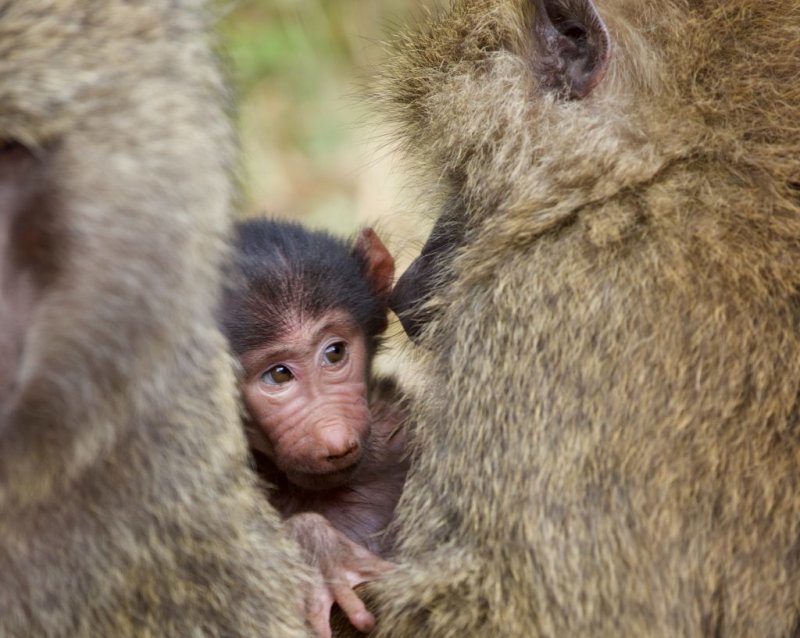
pixel 351 449
pixel 341 450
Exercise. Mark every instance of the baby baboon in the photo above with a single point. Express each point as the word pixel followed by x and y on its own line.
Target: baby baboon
pixel 304 314
pixel 609 443
pixel 126 505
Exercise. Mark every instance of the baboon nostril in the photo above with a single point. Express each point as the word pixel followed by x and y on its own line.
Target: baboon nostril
pixel 349 451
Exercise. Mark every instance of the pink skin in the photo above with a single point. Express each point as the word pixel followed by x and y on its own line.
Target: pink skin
pixel 307 392
pixel 343 565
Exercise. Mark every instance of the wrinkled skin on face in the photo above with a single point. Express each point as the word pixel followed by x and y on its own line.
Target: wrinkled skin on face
pixel 336 456
pixel 308 394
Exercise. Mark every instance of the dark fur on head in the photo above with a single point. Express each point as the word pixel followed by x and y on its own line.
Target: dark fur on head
pixel 286 272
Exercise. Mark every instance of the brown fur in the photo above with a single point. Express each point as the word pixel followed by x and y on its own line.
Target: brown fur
pixel 609 442
pixel 126 508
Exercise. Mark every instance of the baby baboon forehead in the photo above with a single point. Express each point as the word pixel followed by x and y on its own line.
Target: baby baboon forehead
pixel 300 329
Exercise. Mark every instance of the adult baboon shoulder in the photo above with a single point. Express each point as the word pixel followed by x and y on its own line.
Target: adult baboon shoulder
pixel 609 443
pixel 126 506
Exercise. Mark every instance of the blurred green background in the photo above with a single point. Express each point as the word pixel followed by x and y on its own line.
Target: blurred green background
pixel 313 150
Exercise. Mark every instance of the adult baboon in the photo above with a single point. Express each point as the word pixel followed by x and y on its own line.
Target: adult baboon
pixel 610 445
pixel 126 506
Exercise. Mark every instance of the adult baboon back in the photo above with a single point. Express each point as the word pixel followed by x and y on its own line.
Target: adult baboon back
pixel 610 443
pixel 125 504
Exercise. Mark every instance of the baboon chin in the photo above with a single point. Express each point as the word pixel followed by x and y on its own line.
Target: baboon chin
pixel 607 442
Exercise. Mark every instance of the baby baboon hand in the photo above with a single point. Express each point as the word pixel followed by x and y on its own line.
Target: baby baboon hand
pixel 341 565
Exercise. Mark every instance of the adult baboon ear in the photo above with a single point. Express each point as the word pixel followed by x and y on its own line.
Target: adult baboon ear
pixel 25 254
pixel 571 46
pixel 378 263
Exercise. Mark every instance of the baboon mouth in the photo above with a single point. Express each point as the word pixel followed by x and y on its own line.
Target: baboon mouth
pixel 323 480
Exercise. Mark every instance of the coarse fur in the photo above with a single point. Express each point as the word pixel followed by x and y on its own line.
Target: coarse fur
pixel 126 505
pixel 608 444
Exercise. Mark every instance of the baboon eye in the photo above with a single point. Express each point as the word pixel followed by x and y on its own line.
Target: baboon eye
pixel 277 375
pixel 335 352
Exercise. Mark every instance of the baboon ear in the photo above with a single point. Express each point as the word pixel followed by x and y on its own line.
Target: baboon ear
pixel 571 46
pixel 378 263
pixel 24 214
pixel 25 253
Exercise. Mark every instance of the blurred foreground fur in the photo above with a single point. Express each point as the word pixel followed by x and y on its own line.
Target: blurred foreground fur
pixel 126 506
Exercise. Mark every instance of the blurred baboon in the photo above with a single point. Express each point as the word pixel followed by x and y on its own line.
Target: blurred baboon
pixel 126 505
pixel 610 442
